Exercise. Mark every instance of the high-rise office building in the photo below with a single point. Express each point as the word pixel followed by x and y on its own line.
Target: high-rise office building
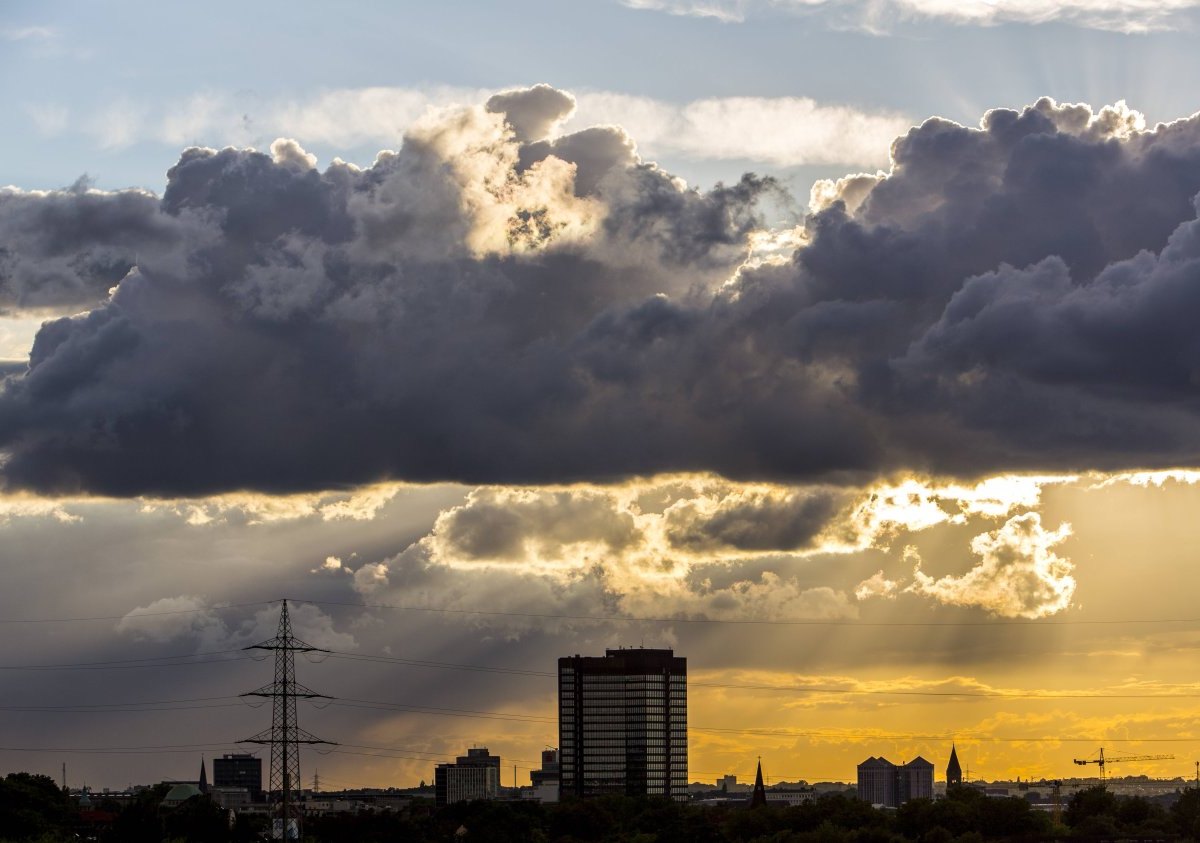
pixel 622 724
pixel 239 770
pixel 475 775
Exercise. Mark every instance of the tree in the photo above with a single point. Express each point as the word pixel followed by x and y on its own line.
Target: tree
pixel 1009 817
pixel 140 821
pixel 32 806
pixel 197 820
pixel 1088 803
pixel 1186 812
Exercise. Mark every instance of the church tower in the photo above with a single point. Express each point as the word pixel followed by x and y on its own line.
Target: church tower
pixel 953 769
pixel 759 797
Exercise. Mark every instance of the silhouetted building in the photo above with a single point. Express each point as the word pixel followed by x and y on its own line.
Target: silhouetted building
pixel 179 794
pixel 203 783
pixel 916 780
pixel 759 797
pixel 549 771
pixel 953 769
pixel 622 724
pixel 239 770
pixel 475 775
pixel 881 782
pixel 877 782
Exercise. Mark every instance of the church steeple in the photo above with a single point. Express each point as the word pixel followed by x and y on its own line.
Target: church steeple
pixel 203 785
pixel 953 769
pixel 759 797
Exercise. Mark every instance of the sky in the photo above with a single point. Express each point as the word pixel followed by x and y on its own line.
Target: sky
pixel 847 348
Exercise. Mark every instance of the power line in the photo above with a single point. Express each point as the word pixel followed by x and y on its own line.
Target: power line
pixel 752 621
pixel 213 702
pixel 139 703
pixel 423 752
pixel 133 617
pixel 448 712
pixel 841 622
pixel 339 654
pixel 125 664
pixel 535 719
pixel 1031 695
pixel 955 736
pixel 184 659
pixel 1002 695
pixel 121 750
pixel 92 710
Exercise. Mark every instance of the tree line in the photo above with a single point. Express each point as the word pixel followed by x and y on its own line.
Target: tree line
pixel 35 809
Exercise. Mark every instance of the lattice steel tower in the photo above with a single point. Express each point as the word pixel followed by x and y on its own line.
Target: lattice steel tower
pixel 285 736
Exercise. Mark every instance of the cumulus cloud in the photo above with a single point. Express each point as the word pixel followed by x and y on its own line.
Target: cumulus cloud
pixel 533 113
pixel 703 547
pixel 1019 575
pixel 256 509
pixel 331 565
pixel 195 620
pixel 400 261
pixel 876 585
pixel 524 597
pixel 680 547
pixel 1118 15
pixel 886 510
pixel 28 506
pixel 773 598
pixel 527 525
pixel 480 308
pixel 646 525
pixel 172 618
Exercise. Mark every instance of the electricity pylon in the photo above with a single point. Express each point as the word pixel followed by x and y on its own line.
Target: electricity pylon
pixel 285 736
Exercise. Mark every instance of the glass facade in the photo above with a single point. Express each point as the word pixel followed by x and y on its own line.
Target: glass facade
pixel 622 722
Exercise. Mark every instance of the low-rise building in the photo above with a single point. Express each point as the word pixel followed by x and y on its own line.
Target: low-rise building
pixel 790 796
pixel 234 798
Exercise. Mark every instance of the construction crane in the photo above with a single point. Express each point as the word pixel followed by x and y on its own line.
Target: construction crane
pixel 1055 786
pixel 1057 791
pixel 1101 760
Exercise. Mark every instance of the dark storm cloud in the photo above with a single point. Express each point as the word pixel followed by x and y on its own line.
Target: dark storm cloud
pixel 784 521
pixel 476 308
pixel 497 525
pixel 65 249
